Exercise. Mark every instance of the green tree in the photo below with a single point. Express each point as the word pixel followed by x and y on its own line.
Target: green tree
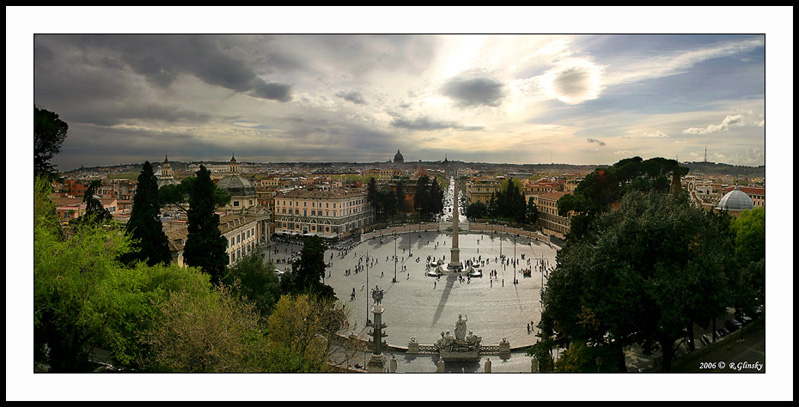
pixel 749 275
pixel 421 197
pixel 646 274
pixel 95 213
pixel 252 279
pixel 144 226
pixel 178 194
pixel 308 272
pixel 402 205
pixel 301 332
pixel 477 210
pixel 74 296
pixel 44 210
pixel 210 332
pixel 508 202
pixel 531 212
pixel 604 187
pixel 436 198
pixel 49 132
pixel 205 246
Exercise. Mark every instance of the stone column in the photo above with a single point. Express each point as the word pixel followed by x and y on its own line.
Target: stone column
pixel 454 261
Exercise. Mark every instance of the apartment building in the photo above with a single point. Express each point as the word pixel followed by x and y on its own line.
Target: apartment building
pixel 325 213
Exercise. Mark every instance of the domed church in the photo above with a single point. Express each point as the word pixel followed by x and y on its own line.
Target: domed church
pixel 242 191
pixel 735 201
pixel 398 158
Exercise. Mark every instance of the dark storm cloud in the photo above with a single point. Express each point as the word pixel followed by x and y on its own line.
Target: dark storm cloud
pixel 592 140
pixel 474 91
pixel 426 124
pixel 352 96
pixel 216 60
pixel 272 91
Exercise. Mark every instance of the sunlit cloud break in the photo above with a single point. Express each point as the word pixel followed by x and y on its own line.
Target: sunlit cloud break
pixel 573 81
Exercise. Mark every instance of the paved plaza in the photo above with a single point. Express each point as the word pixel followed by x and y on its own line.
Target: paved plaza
pixel 421 306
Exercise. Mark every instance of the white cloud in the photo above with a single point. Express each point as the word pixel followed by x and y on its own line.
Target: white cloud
pixel 656 134
pixel 726 124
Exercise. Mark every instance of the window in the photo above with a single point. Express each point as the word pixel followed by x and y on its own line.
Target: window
pixel 235 203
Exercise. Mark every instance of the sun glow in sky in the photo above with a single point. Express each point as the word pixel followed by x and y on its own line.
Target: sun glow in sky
pixel 515 98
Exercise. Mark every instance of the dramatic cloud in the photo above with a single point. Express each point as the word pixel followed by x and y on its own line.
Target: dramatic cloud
pixel 273 91
pixel 282 97
pixel 352 96
pixel 474 92
pixel 426 124
pixel 726 124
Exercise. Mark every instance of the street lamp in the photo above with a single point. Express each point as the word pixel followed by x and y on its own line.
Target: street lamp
pixel 367 285
pixel 514 259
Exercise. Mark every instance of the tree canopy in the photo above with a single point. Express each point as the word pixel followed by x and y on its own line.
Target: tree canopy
pixel 508 202
pixel 49 132
pixel 645 274
pixel 150 243
pixel 95 212
pixel 205 246
pixel 604 187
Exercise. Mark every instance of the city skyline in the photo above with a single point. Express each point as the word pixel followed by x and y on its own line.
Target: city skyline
pixel 501 98
pixel 124 117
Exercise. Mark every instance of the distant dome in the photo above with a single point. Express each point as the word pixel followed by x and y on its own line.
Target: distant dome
pixel 735 200
pixel 236 185
pixel 398 157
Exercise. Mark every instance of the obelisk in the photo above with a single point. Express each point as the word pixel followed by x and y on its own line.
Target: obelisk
pixel 454 257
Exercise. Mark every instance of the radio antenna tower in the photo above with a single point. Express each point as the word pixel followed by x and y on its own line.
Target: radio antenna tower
pixel 705 153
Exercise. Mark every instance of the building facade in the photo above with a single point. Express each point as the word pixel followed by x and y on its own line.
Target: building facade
pixel 326 213
pixel 549 219
pixel 482 188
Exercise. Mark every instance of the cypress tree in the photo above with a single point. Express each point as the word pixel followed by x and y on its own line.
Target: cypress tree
pixel 144 226
pixel 205 245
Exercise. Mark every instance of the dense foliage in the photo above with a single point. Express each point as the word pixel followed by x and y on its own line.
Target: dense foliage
pixel 428 199
pixel 644 274
pixel 49 132
pixel 150 243
pixel 205 246
pixel 604 187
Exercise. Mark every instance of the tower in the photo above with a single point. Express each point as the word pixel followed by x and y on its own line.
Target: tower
pixel 166 169
pixel 233 167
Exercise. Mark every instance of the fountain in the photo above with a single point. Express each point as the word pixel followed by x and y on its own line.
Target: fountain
pixel 461 347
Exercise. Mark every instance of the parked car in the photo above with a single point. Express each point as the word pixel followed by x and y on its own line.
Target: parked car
pixel 732 325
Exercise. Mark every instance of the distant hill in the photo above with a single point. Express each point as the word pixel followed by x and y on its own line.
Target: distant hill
pixel 725 169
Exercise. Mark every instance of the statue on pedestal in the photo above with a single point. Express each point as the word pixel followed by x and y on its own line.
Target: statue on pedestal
pixel 460 328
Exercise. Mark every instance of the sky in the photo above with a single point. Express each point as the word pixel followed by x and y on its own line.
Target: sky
pixel 501 98
pixel 579 85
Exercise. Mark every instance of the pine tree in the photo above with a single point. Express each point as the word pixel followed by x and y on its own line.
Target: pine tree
pixel 205 245
pixel 95 213
pixel 144 226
